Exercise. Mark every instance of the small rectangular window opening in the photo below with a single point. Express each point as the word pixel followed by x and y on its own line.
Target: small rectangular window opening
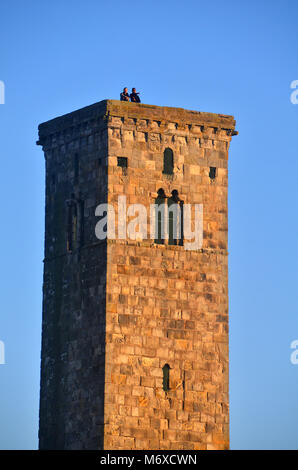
pixel 166 378
pixel 212 172
pixel 122 162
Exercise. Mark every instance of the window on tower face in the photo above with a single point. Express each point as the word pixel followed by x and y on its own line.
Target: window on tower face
pixel 166 377
pixel 75 223
pixel 175 219
pixel 212 172
pixel 168 162
pixel 160 215
pixel 71 225
pixel 80 210
pixel 76 168
pixel 122 162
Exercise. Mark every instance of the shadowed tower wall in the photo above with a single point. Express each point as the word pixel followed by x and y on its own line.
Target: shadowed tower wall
pixel 117 311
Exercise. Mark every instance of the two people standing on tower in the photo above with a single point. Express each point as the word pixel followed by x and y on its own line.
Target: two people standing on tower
pixel 134 96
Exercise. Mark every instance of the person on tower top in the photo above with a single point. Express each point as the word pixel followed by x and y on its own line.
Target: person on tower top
pixel 134 96
pixel 124 96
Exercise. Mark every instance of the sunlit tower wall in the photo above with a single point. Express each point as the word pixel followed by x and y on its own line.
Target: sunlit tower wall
pixel 134 331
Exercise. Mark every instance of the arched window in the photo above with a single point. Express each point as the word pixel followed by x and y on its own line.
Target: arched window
pixel 166 378
pixel 175 217
pixel 160 217
pixel 168 162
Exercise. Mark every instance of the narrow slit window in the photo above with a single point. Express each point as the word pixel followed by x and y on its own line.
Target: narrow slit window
pixel 175 219
pixel 76 168
pixel 212 172
pixel 166 377
pixel 74 232
pixel 181 241
pixel 168 162
pixel 72 225
pixel 69 228
pixel 160 217
pixel 82 207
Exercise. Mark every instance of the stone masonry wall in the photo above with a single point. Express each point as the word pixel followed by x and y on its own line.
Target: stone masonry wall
pixel 74 289
pixel 166 305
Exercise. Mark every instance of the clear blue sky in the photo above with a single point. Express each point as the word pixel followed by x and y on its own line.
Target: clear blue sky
pixel 228 57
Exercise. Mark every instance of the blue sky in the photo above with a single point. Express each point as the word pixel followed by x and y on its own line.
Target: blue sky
pixel 226 57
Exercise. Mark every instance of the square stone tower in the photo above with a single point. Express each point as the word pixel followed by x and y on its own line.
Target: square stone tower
pixel 134 330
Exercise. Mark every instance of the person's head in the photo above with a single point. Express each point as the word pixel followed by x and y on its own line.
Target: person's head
pixel 125 90
pixel 133 90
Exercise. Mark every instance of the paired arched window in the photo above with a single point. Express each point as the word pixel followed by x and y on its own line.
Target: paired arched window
pixel 168 218
pixel 168 162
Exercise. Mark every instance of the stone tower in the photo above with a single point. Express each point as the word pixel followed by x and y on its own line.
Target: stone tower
pixel 134 331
